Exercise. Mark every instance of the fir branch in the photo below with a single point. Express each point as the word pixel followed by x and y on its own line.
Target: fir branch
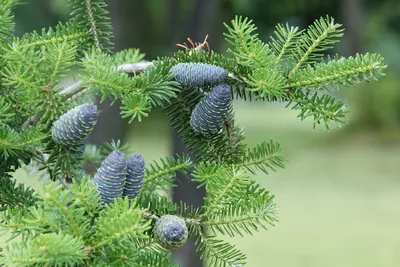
pixel 16 146
pixel 74 89
pixel 248 50
pixel 268 83
pixel 317 38
pixel 224 185
pixel 166 167
pixel 119 221
pixel 14 220
pixel 59 59
pixel 323 109
pixel 18 254
pixel 285 40
pixel 85 194
pixel 135 106
pixel 128 57
pixel 217 253
pixel 46 249
pixel 154 259
pixel 12 195
pixel 157 84
pixel 69 32
pixel 6 113
pixel 93 15
pixel 6 20
pixel 265 156
pixel 53 194
pixel 157 205
pixel 244 216
pixel 344 71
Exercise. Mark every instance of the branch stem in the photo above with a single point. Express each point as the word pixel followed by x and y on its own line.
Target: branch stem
pixel 78 87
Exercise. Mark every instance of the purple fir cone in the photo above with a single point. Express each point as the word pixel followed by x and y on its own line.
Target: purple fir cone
pixel 210 113
pixel 75 125
pixel 110 177
pixel 134 176
pixel 198 74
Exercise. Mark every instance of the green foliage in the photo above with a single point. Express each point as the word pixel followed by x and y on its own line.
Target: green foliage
pixel 5 112
pixel 340 72
pixel 18 146
pixel 12 195
pixel 47 249
pixel 323 109
pixel 317 38
pixel 6 19
pixel 129 56
pixel 93 16
pixel 160 175
pixel 68 224
pixel 218 253
pixel 68 32
pixel 265 156
pixel 285 40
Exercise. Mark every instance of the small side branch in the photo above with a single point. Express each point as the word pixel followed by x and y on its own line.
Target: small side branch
pixel 77 87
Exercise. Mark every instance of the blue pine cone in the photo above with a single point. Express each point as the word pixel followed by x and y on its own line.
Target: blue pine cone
pixel 198 74
pixel 75 125
pixel 110 177
pixel 170 231
pixel 134 176
pixel 210 113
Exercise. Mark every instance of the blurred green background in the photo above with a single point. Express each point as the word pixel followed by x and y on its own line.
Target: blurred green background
pixel 339 195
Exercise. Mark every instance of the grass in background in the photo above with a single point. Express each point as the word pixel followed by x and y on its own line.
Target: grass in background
pixel 338 195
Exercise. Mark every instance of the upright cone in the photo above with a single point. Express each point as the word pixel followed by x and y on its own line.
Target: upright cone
pixel 75 125
pixel 134 176
pixel 210 113
pixel 110 177
pixel 198 74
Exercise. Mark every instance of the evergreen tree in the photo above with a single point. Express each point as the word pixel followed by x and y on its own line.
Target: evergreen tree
pixel 121 216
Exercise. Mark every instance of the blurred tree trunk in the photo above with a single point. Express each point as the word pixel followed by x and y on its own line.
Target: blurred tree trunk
pixel 353 21
pixel 186 190
pixel 205 14
pixel 126 17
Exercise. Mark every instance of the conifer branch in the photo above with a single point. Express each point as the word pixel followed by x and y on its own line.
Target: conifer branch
pixel 64 210
pixel 344 71
pixel 319 37
pixel 74 89
pixel 265 156
pixel 167 167
pixel 217 253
